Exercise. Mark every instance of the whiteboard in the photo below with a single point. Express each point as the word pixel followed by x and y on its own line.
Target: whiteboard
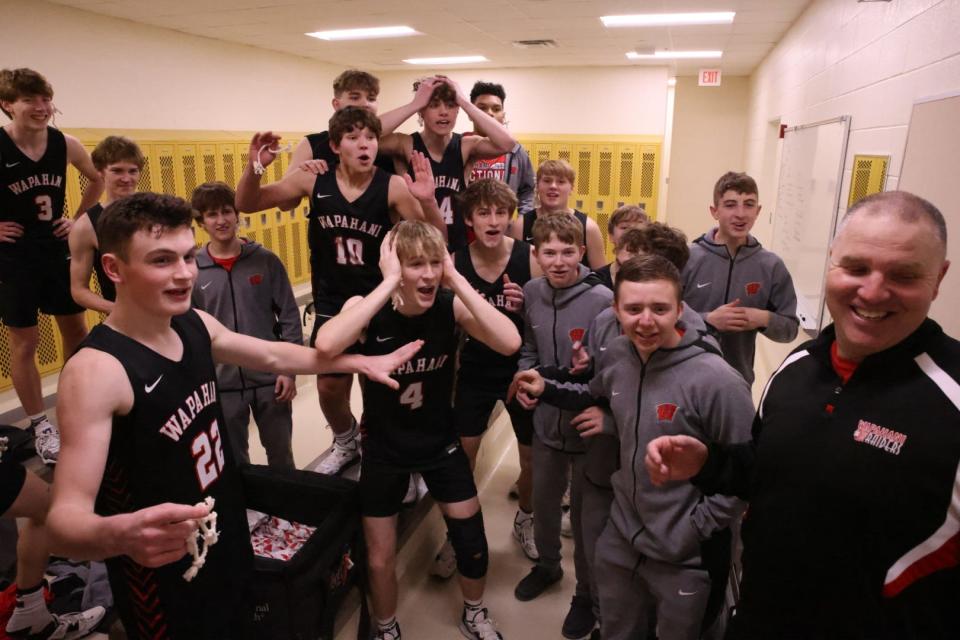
pixel 805 216
pixel 931 164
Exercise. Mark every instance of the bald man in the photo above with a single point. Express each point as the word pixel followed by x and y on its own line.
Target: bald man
pixel 852 474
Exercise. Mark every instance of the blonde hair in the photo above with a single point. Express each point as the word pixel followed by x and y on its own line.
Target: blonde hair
pixel 414 238
pixel 560 168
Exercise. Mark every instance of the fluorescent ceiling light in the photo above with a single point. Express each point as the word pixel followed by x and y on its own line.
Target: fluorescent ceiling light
pixel 668 19
pixel 364 34
pixel 673 55
pixel 672 82
pixel 447 60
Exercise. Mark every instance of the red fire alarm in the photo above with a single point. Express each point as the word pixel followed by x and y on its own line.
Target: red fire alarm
pixel 783 130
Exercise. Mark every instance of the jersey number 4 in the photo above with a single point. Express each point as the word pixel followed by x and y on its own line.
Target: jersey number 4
pixel 412 396
pixel 446 210
pixel 207 450
pixel 349 251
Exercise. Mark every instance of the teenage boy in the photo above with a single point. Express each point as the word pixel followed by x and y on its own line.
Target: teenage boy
pixel 558 309
pixel 555 180
pixel 410 429
pixel 245 287
pixel 624 218
pixel 142 438
pixel 352 209
pixel 514 167
pixel 497 266
pixel 659 377
pixel 34 256
pixel 26 498
pixel 119 161
pixel 449 153
pixel 739 287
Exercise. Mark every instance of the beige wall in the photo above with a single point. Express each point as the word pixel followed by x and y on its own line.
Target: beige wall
pixel 871 61
pixel 709 124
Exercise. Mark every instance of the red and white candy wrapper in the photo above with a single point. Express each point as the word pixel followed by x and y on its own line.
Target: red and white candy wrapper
pixel 279 539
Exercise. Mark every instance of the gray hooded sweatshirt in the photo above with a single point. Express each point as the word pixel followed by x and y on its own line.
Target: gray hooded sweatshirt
pixel 755 276
pixel 553 320
pixel 686 390
pixel 253 298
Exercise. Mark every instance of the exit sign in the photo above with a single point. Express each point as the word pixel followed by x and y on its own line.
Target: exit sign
pixel 709 77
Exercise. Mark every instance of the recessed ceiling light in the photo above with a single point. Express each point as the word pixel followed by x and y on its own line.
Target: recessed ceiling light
pixel 364 34
pixel 668 55
pixel 672 82
pixel 668 19
pixel 447 60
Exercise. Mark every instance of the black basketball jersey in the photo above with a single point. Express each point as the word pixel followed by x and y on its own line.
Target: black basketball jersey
pixel 412 428
pixel 345 237
pixel 107 288
pixel 320 146
pixel 33 193
pixel 531 217
pixel 448 180
pixel 171 448
pixel 477 360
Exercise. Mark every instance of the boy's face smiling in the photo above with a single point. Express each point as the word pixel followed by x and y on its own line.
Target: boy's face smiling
pixel 559 261
pixel 735 214
pixel 30 112
pixel 220 224
pixel 356 98
pixel 648 313
pixel 159 271
pixel 420 278
pixel 120 179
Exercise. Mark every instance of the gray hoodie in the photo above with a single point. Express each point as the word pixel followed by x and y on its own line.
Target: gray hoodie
pixel 553 320
pixel 686 390
pixel 253 298
pixel 757 277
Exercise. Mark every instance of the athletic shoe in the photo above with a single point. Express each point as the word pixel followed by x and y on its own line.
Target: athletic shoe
pixel 514 493
pixel 580 620
pixel 536 582
pixel 445 563
pixel 479 627
pixel 566 527
pixel 523 533
pixel 390 633
pixel 340 457
pixel 46 441
pixel 63 627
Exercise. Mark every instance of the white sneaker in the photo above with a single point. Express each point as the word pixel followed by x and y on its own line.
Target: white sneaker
pixel 445 563
pixel 46 441
pixel 523 533
pixel 480 627
pixel 340 457
pixel 63 627
pixel 390 633
pixel 566 527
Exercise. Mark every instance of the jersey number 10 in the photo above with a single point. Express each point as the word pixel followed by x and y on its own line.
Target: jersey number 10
pixel 349 251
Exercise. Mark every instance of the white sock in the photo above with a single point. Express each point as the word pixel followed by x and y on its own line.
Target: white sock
pixel 350 434
pixel 31 611
pixel 37 418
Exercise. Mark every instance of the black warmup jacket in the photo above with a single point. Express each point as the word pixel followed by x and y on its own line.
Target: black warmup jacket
pixel 853 529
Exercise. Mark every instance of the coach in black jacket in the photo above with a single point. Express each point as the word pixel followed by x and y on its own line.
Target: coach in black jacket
pixel 853 529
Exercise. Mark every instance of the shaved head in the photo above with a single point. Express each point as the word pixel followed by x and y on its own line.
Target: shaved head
pixel 906 206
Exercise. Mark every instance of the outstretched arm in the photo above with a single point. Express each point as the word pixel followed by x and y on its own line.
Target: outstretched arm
pixel 480 319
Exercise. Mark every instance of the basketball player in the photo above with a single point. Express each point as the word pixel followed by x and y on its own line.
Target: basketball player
pixel 497 266
pixel 34 257
pixel 352 208
pixel 411 429
pixel 555 179
pixel 449 153
pixel 142 440
pixel 515 167
pixel 119 161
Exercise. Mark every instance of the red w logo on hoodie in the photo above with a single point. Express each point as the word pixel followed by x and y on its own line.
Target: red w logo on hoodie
pixel 665 411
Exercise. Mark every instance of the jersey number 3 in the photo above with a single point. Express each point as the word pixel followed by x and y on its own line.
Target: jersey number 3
pixel 349 251
pixel 45 205
pixel 207 450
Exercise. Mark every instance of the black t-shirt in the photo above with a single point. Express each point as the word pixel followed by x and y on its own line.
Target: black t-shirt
pixel 477 360
pixel 531 217
pixel 107 288
pixel 345 237
pixel 172 447
pixel 412 428
pixel 448 180
pixel 33 194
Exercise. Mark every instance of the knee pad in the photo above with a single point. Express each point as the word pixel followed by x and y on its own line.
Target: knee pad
pixel 469 542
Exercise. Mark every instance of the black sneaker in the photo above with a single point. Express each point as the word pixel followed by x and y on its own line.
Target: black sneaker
pixel 580 620
pixel 536 582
